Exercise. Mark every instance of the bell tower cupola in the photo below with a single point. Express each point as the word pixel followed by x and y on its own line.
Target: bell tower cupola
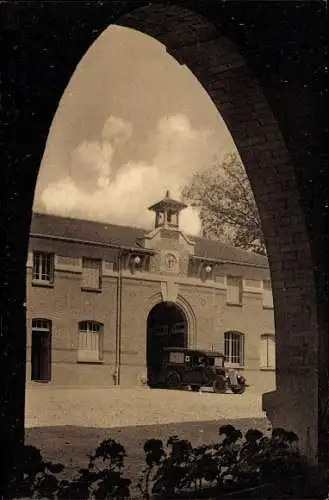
pixel 167 212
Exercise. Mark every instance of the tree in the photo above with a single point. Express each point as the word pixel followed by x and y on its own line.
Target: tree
pixel 227 208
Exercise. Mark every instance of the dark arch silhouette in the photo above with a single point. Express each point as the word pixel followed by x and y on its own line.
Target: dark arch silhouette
pixel 43 45
pixel 167 326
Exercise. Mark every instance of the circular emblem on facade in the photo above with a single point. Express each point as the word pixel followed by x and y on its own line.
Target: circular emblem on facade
pixel 171 262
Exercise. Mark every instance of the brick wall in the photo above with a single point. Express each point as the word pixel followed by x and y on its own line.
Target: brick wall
pixel 65 304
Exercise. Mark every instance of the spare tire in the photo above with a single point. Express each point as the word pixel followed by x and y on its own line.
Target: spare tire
pixel 173 380
pixel 219 386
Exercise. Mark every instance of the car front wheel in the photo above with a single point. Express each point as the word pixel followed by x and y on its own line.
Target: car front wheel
pixel 240 389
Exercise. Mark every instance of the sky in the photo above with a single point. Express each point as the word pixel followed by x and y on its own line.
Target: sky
pixel 131 124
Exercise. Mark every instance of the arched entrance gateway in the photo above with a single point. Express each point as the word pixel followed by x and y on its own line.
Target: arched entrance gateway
pixel 166 327
pixel 270 92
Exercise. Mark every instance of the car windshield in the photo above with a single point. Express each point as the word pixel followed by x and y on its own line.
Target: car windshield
pixel 216 361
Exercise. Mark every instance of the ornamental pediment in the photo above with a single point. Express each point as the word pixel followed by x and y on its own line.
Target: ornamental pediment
pixel 162 238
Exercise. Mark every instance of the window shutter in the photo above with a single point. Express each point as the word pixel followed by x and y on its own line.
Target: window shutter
pixel 267 294
pixel 233 290
pixel 227 353
pixel 90 345
pixel 267 351
pixel 271 351
pixel 35 272
pixel 51 261
pixel 263 351
pixel 89 341
pixel 91 274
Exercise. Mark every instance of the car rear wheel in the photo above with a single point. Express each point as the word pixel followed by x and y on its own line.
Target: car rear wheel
pixel 173 380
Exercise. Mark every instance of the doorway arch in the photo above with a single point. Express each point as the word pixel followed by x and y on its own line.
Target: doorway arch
pixel 166 326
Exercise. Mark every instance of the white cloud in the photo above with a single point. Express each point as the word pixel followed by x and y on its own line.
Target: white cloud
pixel 116 130
pixel 123 197
pixel 181 149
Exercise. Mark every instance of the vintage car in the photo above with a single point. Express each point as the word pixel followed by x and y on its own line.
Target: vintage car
pixel 194 368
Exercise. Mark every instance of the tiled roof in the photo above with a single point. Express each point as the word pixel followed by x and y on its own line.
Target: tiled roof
pixel 65 227
pixel 213 249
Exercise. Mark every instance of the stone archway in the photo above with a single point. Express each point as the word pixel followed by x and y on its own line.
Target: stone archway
pixel 167 326
pixel 288 172
pixel 265 147
pixel 184 305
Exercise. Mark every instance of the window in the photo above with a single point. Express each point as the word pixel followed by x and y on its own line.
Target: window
pixel 178 328
pixel 43 267
pixel 91 274
pixel 89 345
pixel 176 357
pixel 162 330
pixel 234 290
pixel 267 294
pixel 42 325
pixel 217 361
pixel 234 348
pixel 267 351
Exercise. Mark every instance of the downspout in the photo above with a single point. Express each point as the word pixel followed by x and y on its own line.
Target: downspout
pixel 120 321
pixel 116 375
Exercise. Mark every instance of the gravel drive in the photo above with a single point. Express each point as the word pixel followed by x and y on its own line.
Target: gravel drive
pixel 68 423
pixel 115 407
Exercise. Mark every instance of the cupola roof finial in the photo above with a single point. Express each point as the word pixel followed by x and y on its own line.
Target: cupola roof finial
pixel 168 203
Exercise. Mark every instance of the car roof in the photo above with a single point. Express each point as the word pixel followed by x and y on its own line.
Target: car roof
pixel 194 351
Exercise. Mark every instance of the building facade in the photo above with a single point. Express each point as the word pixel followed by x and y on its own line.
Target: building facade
pixel 102 300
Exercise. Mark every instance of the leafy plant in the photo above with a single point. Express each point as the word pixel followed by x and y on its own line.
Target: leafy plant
pixel 33 477
pixel 102 479
pixel 250 466
pixel 234 464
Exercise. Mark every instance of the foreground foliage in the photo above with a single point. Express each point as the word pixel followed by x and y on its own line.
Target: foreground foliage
pixel 237 466
pixel 253 466
pixel 101 479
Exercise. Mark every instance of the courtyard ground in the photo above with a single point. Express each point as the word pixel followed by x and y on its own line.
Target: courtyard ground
pixel 67 424
pixel 114 407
